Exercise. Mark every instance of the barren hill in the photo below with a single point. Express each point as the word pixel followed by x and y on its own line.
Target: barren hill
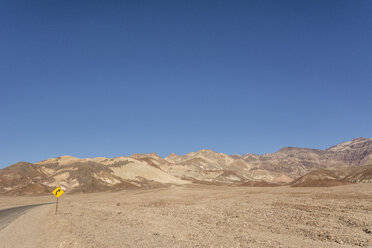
pixel 335 176
pixel 204 166
pixel 82 175
pixel 296 162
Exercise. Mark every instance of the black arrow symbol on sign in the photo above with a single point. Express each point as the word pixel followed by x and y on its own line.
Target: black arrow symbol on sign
pixel 57 191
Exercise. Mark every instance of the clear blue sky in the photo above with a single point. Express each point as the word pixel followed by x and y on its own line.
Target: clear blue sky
pixel 112 78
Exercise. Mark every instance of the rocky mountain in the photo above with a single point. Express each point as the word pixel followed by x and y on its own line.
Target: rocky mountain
pixel 213 167
pixel 335 176
pixel 361 174
pixel 204 166
pixel 296 162
pixel 82 175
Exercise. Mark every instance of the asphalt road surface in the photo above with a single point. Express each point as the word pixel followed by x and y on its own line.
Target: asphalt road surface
pixel 10 214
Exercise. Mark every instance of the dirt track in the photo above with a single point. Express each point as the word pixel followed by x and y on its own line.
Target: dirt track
pixel 208 216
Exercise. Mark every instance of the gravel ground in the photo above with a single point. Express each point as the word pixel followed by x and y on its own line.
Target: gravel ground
pixel 202 216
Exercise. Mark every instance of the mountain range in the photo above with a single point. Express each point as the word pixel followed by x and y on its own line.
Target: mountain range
pixel 340 164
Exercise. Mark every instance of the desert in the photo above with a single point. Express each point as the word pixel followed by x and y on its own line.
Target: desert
pixel 296 197
pixel 185 124
pixel 197 216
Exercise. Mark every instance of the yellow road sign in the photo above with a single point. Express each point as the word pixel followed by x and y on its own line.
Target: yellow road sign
pixel 58 192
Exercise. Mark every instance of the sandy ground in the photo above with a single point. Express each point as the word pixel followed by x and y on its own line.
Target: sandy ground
pixel 198 216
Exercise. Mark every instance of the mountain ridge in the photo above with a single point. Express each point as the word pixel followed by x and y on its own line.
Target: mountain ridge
pixel 204 166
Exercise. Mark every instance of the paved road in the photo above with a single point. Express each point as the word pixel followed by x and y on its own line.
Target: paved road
pixel 10 214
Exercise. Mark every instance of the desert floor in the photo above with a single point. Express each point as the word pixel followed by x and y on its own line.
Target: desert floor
pixel 197 216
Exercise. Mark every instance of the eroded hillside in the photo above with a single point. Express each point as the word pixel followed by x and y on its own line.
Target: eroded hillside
pixel 340 164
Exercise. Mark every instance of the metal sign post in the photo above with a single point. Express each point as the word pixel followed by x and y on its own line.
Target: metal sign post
pixel 56 205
